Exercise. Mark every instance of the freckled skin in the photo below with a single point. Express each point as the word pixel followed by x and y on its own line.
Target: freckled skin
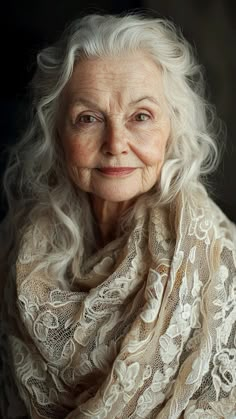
pixel 113 113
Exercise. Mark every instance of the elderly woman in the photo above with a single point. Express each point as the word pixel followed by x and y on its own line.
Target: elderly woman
pixel 118 270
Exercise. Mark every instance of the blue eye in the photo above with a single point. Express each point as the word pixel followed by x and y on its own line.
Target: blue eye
pixel 142 117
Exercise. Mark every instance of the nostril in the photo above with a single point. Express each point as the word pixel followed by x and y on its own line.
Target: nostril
pixel 115 147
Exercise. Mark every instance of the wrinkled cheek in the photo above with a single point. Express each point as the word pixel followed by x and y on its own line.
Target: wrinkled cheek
pixel 158 170
pixel 80 177
pixel 79 152
pixel 77 165
pixel 74 173
pixel 153 157
pixel 154 162
pixel 76 155
pixel 151 151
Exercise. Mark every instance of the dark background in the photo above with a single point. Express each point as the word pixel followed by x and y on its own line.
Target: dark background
pixel 209 25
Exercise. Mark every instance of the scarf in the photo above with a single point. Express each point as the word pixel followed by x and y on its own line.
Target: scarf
pixel 147 332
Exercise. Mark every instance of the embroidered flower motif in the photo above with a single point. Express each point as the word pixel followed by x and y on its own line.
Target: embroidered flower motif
pixel 87 373
pixel 224 371
pixel 226 407
pixel 194 342
pixel 110 396
pixel 99 412
pixel 28 309
pixel 28 367
pixel 85 366
pixel 168 349
pixel 153 295
pixel 20 353
pixel 161 230
pixel 147 401
pixel 160 226
pixel 68 350
pixel 44 322
pixel 199 367
pixel 147 372
pixel 194 413
pixel 138 266
pixel 103 356
pixel 224 303
pixel 180 323
pixel 126 374
pixel 157 382
pixel 118 291
pixel 160 380
pixel 200 226
pixel 223 273
pixel 60 298
pixel 151 311
pixel 225 328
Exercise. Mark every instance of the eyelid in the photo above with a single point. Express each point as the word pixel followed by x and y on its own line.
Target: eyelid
pixel 143 112
pixel 88 113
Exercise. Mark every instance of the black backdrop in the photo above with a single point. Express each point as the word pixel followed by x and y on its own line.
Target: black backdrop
pixel 27 26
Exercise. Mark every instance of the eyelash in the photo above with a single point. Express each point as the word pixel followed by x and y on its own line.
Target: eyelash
pixel 96 119
pixel 86 116
pixel 147 116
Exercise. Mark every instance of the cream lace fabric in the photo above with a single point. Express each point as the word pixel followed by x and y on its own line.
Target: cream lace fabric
pixel 148 332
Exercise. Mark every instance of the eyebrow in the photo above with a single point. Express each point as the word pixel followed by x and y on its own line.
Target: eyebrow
pixel 150 98
pixel 87 102
pixel 82 101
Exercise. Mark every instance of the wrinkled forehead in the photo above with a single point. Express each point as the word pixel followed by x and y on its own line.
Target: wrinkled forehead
pixel 124 76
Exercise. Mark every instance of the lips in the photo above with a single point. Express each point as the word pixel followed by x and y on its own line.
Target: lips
pixel 116 171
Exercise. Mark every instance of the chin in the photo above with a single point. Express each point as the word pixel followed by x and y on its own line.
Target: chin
pixel 116 196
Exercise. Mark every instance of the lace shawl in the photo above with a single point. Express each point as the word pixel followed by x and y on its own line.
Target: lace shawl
pixel 149 331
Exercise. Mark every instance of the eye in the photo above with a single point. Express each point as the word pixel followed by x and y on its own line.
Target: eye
pixel 142 117
pixel 86 119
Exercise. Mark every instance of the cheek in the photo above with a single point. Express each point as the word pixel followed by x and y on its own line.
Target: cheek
pixel 79 154
pixel 151 153
pixel 152 148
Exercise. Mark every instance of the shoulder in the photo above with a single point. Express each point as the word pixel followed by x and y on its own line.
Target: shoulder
pixel 214 235
pixel 200 217
pixel 206 241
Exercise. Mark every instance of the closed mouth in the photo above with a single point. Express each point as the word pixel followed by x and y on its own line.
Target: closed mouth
pixel 116 171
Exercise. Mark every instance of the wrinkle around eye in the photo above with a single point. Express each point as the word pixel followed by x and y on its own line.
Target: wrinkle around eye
pixel 147 117
pixel 86 121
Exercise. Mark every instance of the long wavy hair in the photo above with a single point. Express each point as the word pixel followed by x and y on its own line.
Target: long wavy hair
pixel 41 198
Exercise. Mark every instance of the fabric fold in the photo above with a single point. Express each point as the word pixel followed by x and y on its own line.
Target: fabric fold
pixel 148 332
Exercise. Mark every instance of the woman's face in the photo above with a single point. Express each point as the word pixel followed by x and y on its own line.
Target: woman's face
pixel 114 126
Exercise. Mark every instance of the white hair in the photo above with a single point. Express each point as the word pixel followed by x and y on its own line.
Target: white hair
pixel 39 191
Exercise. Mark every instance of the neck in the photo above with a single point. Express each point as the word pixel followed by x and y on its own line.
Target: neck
pixel 107 215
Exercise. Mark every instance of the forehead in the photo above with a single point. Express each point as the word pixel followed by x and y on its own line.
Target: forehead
pixel 127 75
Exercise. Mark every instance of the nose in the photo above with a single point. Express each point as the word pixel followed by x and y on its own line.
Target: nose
pixel 115 140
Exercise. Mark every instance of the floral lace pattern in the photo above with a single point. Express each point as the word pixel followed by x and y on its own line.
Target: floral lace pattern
pixel 154 338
